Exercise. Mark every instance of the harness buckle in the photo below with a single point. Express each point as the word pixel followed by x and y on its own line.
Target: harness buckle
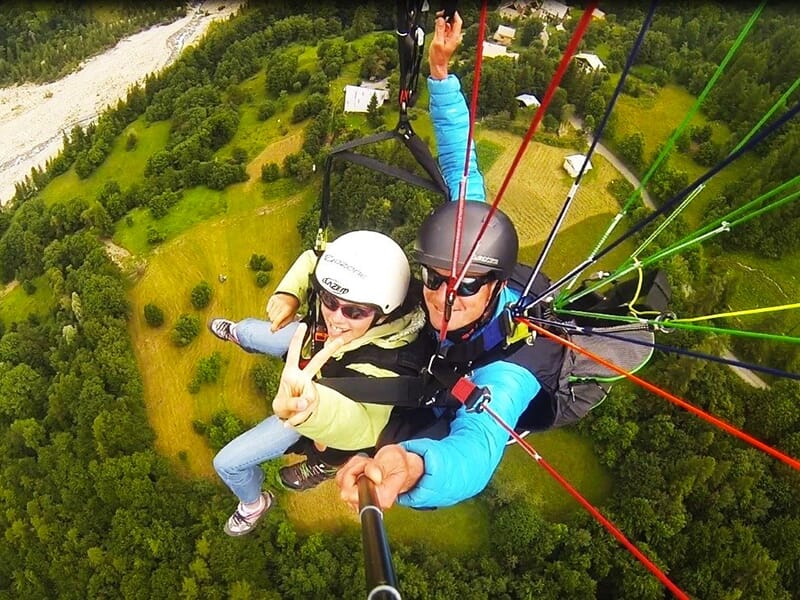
pixel 473 398
pixel 514 331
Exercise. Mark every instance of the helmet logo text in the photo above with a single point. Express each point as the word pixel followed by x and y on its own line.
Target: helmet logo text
pixel 334 286
pixel 491 260
pixel 340 263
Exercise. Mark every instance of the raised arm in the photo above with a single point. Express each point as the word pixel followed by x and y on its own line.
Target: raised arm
pixel 449 113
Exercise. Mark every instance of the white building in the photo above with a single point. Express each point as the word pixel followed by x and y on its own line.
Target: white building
pixel 357 98
pixel 527 100
pixel 519 9
pixel 491 50
pixel 590 62
pixel 555 11
pixel 573 164
pixel 504 35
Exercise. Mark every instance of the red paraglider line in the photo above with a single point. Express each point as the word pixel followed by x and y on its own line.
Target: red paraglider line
pixel 792 462
pixel 455 275
pixel 583 24
pixel 589 507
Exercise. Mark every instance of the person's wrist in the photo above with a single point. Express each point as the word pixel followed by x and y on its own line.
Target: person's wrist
pixel 439 73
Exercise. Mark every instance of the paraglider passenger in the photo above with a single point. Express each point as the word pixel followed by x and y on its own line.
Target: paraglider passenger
pixel 362 301
pixel 456 464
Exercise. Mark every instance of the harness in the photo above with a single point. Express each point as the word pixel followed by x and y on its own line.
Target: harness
pixel 427 396
pixel 411 18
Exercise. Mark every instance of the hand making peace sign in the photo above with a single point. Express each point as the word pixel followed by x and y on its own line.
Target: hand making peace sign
pixel 297 396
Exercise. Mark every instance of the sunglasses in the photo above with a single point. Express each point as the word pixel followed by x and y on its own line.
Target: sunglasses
pixel 469 286
pixel 355 312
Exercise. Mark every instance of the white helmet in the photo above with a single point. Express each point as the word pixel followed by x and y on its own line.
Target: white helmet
pixel 365 267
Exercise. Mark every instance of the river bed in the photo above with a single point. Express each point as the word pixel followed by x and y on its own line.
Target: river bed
pixel 34 118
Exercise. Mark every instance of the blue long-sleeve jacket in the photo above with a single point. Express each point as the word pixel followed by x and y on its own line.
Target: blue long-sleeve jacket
pixel 460 465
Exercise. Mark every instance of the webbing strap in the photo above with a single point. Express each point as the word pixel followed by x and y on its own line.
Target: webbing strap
pixel 394 171
pixel 404 390
pixel 418 149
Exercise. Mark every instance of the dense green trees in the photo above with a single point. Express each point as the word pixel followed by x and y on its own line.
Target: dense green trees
pixel 43 43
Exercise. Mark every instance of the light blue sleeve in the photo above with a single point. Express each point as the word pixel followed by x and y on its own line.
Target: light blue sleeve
pixel 461 465
pixel 450 117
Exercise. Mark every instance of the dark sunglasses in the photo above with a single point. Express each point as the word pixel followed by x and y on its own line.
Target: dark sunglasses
pixel 356 312
pixel 469 285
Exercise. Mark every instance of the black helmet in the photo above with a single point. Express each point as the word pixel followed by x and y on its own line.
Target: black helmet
pixel 497 251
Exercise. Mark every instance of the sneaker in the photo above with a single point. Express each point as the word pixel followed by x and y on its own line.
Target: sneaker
pixel 240 523
pixel 306 474
pixel 223 329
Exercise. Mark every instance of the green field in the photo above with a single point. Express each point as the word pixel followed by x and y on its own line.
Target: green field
pixel 657 117
pixel 16 303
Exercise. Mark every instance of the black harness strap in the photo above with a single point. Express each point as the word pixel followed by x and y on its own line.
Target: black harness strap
pixel 410 46
pixel 397 172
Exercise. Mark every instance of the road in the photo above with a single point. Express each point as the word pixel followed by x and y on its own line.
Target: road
pixel 603 151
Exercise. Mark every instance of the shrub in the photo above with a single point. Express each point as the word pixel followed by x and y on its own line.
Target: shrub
pixel 224 427
pixel 266 110
pixel 153 315
pixel 262 278
pixel 267 375
pixel 201 295
pixel 207 371
pixel 270 172
pixel 154 236
pixel 621 189
pixel 186 328
pixel 239 155
pixel 259 262
pixel 131 141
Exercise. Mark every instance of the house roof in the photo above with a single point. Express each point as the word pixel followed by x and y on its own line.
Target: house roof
pixel 505 31
pixel 528 99
pixel 357 98
pixel 592 60
pixel 491 50
pixel 555 9
pixel 573 163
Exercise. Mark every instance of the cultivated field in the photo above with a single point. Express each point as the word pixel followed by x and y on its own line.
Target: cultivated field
pixel 537 191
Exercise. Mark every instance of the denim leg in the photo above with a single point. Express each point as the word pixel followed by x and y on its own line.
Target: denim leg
pixel 238 462
pixel 254 335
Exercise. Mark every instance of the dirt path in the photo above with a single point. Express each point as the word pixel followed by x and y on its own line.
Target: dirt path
pixel 748 376
pixel 8 288
pixel 603 151
pixel 34 118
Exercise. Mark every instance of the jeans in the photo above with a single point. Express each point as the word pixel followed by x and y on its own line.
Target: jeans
pixel 254 335
pixel 238 462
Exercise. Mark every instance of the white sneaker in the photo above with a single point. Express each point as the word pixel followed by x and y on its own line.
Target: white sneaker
pixel 240 523
pixel 223 329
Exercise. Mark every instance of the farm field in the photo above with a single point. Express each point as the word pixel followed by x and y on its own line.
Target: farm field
pixel 219 246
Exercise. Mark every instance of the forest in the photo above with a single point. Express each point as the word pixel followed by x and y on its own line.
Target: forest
pixel 91 510
pixel 43 45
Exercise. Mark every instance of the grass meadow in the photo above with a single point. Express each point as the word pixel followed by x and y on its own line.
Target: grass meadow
pixel 657 116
